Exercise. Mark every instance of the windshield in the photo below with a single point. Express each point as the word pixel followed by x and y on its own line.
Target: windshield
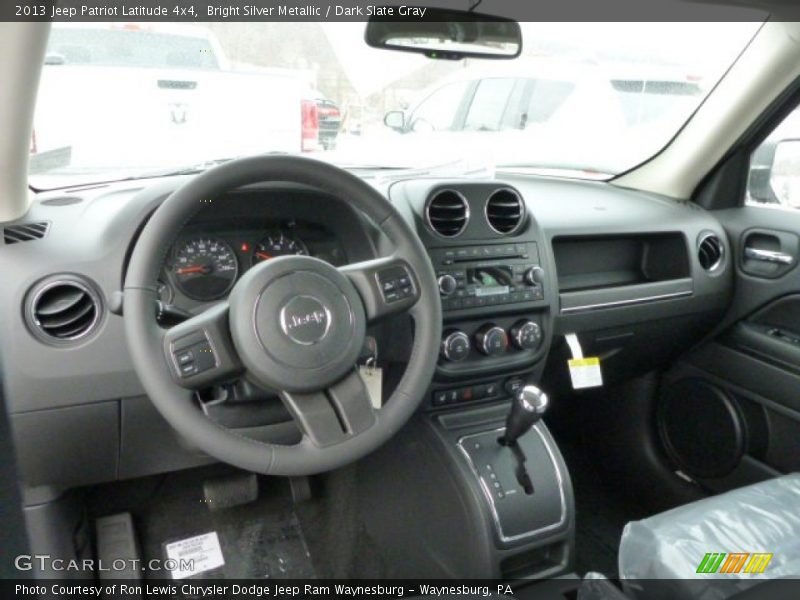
pixel 584 100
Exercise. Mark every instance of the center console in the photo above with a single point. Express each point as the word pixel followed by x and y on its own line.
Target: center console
pixel 499 296
pixel 496 285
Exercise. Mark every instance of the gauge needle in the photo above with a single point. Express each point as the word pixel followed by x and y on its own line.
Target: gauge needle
pixel 193 269
pixel 263 255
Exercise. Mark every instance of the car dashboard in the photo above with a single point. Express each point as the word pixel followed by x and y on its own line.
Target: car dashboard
pixel 532 259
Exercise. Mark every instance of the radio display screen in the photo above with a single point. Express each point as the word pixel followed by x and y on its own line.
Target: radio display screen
pixel 490 281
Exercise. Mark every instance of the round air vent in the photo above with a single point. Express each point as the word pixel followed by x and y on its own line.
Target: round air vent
pixel 505 211
pixel 447 213
pixel 62 309
pixel 710 252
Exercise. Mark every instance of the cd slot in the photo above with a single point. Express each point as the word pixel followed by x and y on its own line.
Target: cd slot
pixel 489 252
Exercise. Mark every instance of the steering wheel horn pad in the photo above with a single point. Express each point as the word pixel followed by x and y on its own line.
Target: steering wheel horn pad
pixel 297 323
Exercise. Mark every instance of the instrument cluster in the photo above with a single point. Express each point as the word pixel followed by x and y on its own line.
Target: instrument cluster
pixel 204 265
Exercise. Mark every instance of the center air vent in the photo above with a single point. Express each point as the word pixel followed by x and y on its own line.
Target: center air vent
pixel 505 211
pixel 710 252
pixel 62 309
pixel 447 213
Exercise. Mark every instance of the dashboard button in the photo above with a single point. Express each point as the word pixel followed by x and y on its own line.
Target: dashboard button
pixel 492 390
pixel 514 385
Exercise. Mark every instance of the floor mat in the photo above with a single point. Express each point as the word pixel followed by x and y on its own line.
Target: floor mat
pixel 262 539
pixel 601 514
pixel 259 540
pixel 261 547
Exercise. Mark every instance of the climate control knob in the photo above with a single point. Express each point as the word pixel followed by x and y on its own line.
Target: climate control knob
pixel 526 335
pixel 447 285
pixel 491 340
pixel 455 346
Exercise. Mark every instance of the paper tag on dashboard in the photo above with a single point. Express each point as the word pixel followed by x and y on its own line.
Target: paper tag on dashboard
pixel 373 379
pixel 195 555
pixel 585 372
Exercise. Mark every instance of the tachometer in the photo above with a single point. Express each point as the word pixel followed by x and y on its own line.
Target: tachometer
pixel 277 243
pixel 205 268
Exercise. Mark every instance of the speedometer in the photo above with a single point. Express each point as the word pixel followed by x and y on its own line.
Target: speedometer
pixel 205 268
pixel 277 243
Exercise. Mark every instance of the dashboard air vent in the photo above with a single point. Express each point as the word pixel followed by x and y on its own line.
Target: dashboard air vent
pixel 447 213
pixel 505 211
pixel 710 252
pixel 63 309
pixel 24 232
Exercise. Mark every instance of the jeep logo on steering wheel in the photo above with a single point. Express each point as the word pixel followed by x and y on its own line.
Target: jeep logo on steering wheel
pixel 305 320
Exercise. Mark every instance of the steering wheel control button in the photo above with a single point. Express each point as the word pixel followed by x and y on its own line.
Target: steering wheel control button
pixel 526 335
pixel 184 357
pixel 455 346
pixel 491 340
pixel 395 284
pixel 193 355
pixel 305 320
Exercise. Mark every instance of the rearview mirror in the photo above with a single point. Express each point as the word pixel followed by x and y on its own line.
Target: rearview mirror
pixel 446 34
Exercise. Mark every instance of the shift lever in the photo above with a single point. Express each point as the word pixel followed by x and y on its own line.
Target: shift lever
pixel 529 404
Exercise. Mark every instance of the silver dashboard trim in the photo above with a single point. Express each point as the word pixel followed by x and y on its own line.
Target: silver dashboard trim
pixel 490 498
pixel 625 302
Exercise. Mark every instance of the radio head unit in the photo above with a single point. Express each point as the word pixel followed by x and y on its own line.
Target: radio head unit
pixel 488 275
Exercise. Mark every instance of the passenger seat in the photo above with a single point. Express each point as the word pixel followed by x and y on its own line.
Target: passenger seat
pixel 715 548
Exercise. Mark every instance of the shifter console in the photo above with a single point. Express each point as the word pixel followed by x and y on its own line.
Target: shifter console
pixel 510 465
pixel 516 514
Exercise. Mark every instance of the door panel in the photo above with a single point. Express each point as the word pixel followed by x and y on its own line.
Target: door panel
pixel 753 359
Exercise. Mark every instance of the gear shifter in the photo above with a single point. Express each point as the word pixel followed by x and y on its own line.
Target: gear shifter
pixel 529 404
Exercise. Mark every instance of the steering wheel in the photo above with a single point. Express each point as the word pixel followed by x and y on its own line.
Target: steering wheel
pixel 293 324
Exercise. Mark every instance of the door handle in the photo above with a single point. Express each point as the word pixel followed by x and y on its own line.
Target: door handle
pixel 770 256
